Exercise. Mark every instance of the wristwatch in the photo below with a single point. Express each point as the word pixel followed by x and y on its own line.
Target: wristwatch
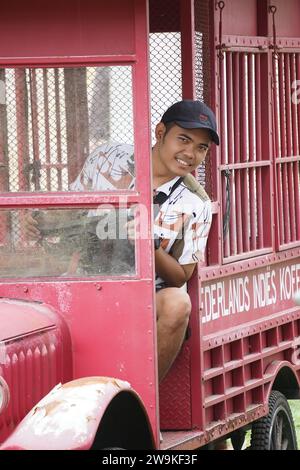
pixel 157 242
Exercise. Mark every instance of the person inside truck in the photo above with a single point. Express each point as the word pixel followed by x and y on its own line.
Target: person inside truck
pixel 182 216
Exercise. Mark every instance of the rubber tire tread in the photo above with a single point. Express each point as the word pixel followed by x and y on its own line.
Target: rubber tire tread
pixel 261 428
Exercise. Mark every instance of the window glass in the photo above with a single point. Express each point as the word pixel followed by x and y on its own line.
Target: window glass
pixel 55 120
pixel 66 242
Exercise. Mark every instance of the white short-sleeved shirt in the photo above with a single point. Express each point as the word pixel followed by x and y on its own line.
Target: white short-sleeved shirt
pixel 183 215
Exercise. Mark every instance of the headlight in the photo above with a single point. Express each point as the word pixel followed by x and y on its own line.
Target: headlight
pixel 4 394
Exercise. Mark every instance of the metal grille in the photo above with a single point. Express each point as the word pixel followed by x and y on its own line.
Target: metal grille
pixel 30 372
pixel 243 164
pixel 51 119
pixel 286 72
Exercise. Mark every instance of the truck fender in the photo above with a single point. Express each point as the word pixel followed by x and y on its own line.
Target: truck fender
pixel 284 379
pixel 70 415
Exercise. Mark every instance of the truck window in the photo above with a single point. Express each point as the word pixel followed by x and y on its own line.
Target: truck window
pixel 71 242
pixel 53 119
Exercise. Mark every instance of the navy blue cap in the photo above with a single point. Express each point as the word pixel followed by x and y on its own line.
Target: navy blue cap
pixel 191 114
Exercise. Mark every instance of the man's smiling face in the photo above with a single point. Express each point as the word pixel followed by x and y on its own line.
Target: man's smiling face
pixel 180 150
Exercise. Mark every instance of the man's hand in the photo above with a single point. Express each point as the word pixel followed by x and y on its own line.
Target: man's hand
pixel 168 268
pixel 31 227
pixel 133 225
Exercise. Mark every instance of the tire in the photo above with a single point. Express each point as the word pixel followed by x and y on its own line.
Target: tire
pixel 276 431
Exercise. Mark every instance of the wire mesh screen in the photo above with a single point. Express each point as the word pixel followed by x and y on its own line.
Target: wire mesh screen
pixel 166 64
pixel 52 119
pixel 165 73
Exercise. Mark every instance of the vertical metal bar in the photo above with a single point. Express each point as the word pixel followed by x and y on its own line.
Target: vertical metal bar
pixel 294 108
pixel 58 129
pixel 291 196
pixel 297 164
pixel 245 152
pixel 260 222
pixel 257 86
pixel 252 201
pixel 251 104
pixel 288 102
pixel 226 245
pixel 239 220
pixel 276 110
pixel 268 172
pixel 4 172
pixel 244 107
pixel 285 189
pixel 259 206
pixel 282 113
pixel 252 151
pixel 237 155
pixel 236 105
pixel 230 116
pixel 280 202
pixel 298 106
pixel 296 172
pixel 231 236
pixel 47 128
pixel 187 26
pixel 223 106
pixel 245 208
pixel 232 227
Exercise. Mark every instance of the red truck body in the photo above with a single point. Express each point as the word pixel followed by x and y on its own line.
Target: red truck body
pixel 78 358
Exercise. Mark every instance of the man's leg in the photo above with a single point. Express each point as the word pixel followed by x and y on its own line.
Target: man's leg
pixel 173 308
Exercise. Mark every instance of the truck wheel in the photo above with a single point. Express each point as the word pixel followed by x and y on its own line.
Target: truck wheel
pixel 276 431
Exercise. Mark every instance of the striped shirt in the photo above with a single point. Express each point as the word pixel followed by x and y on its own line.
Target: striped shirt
pixel 182 216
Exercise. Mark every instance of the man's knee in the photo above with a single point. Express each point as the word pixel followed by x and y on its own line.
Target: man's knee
pixel 174 308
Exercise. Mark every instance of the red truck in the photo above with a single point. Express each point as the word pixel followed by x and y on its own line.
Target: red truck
pixel 78 359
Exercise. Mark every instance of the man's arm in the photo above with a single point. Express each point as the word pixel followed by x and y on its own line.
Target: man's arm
pixel 168 268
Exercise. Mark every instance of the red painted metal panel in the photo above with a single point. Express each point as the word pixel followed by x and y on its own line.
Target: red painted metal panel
pixel 187 28
pixel 112 328
pixel 240 17
pixel 71 28
pixel 20 319
pixel 240 298
pixel 287 17
pixel 175 394
pixel 164 16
